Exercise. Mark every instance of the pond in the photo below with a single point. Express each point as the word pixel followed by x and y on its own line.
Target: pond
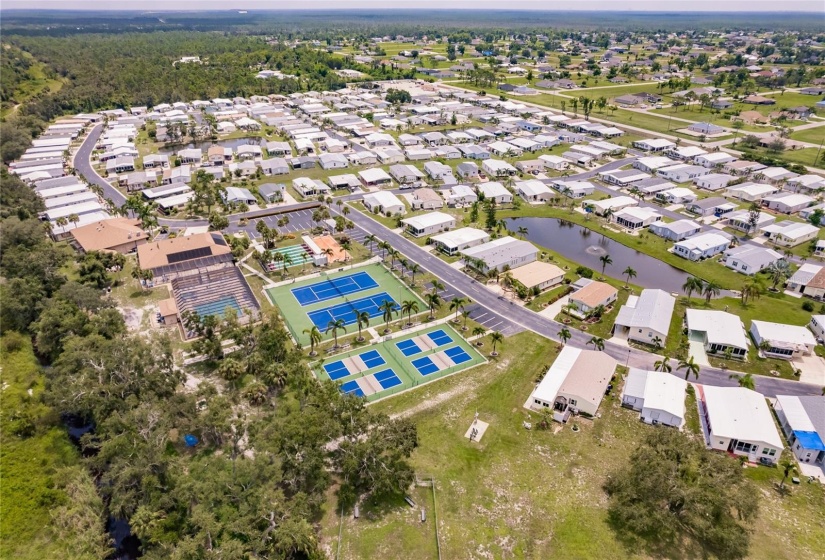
pixel 584 246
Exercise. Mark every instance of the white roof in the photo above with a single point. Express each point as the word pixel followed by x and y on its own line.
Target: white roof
pixel 753 189
pixel 739 413
pixel 797 415
pixel 384 199
pixel 552 159
pixel 615 202
pixel 791 230
pixel 493 189
pixel 804 274
pixel 501 250
pixel 660 391
pixel 657 143
pixel 533 187
pixel 461 236
pixel 655 162
pixel 704 241
pixel 430 219
pixel 719 327
pixel 376 174
pixel 717 157
pixel 653 309
pixel 783 335
pixel 637 213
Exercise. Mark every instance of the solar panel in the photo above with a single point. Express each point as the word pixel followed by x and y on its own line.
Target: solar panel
pixel 188 255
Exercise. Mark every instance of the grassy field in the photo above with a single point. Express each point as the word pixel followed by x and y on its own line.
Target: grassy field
pixel 813 135
pixel 529 494
pixel 36 84
pixel 405 370
pixel 30 466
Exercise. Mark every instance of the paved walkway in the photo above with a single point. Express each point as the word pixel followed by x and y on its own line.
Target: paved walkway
pixel 552 311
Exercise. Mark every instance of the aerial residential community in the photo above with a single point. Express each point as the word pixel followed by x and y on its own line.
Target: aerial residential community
pixel 336 285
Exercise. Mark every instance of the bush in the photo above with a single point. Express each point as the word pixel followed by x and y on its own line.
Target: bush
pixel 808 306
pixel 584 272
pixel 13 342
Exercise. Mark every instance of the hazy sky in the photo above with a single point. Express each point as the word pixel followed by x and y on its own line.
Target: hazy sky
pixel 615 5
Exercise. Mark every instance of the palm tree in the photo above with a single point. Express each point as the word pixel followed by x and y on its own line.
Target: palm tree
pixel 663 365
pixel 369 240
pixel 597 342
pixel 433 302
pixel 436 286
pixel 457 304
pixel 314 339
pixel 522 231
pixel 629 273
pixel 711 289
pixel 413 269
pixel 496 338
pixel 362 318
pixel 605 260
pixel 465 315
pixel 564 335
pixel 387 308
pixel 692 284
pixel 788 466
pixel 690 367
pixel 384 246
pixel 657 342
pixel 745 380
pixel 285 261
pixel 335 326
pixel 409 307
pixel 479 332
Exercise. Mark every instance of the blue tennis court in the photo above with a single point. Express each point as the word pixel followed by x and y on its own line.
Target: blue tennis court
pixel 372 359
pixel 336 370
pixel 425 366
pixel 458 355
pixel 331 288
pixel 387 379
pixel 408 347
pixel 347 311
pixel 440 338
pixel 352 388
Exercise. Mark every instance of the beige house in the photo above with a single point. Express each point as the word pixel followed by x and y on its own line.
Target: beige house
pixel 590 296
pixel 538 274
pixel 118 235
pixel 575 383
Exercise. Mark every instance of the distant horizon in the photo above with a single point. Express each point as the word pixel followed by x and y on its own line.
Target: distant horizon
pixel 614 6
pixel 390 9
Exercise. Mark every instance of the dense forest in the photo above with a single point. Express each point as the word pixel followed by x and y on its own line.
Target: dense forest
pixel 271 440
pixel 316 24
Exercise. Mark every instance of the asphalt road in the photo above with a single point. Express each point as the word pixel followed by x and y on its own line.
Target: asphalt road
pixel 83 164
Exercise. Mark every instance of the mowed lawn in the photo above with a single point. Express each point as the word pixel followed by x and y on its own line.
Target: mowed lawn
pixel 529 493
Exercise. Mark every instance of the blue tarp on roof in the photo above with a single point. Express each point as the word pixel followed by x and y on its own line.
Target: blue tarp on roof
pixel 809 440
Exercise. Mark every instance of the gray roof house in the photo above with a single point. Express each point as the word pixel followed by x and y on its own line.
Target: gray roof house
pixel 675 231
pixel 275 166
pixel 467 170
pixel 646 317
pixel 750 259
pixel 272 192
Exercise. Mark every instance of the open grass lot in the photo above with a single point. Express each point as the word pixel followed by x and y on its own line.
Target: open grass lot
pixel 393 358
pixel 30 465
pixel 530 494
pixel 296 316
pixel 813 135
pixel 693 113
pixel 805 156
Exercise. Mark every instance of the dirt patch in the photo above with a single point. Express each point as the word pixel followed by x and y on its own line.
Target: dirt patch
pixel 132 316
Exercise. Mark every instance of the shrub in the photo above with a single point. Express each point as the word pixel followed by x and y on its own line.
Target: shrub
pixel 584 272
pixel 12 342
pixel 808 306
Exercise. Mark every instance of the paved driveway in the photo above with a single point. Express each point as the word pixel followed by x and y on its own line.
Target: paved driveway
pixel 812 368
